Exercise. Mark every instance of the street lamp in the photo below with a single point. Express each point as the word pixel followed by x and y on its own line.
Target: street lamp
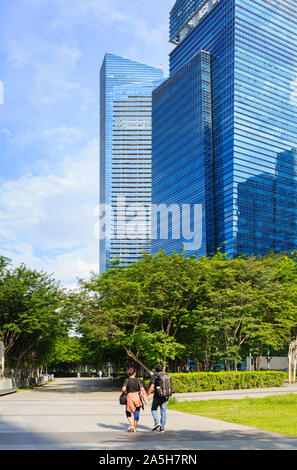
pixel 1 359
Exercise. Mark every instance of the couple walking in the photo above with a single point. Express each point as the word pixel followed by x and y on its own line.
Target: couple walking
pixel 160 385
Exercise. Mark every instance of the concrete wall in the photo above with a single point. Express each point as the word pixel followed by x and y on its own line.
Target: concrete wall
pixel 276 363
pixel 7 384
pixel 12 385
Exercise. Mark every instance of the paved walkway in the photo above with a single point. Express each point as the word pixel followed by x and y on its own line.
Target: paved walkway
pixel 85 414
pixel 237 394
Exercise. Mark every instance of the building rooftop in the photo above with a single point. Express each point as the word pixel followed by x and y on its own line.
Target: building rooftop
pixel 186 15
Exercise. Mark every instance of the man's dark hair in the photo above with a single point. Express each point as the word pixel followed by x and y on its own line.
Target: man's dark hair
pixel 131 371
pixel 159 367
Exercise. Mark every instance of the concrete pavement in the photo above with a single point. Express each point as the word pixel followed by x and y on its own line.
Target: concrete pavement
pixel 85 414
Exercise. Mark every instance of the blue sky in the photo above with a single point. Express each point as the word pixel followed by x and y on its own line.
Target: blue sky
pixel 50 56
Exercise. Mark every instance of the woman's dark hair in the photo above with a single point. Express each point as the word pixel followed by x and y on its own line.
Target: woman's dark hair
pixel 131 371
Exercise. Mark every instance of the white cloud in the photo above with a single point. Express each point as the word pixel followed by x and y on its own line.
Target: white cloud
pixel 48 221
pixel 53 49
pixel 116 14
pixel 107 10
pixel 4 133
pixel 52 68
pixel 63 135
pixel 66 268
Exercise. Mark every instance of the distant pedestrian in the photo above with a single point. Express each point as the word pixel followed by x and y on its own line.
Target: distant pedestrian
pixel 161 385
pixel 133 387
pixel 100 373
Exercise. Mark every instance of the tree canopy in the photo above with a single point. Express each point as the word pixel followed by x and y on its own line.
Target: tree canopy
pixel 163 307
pixel 159 309
pixel 31 314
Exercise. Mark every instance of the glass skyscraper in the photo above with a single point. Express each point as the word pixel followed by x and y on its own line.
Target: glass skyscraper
pixel 125 157
pixel 225 124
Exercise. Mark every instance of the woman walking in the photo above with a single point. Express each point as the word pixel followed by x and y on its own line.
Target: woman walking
pixel 133 387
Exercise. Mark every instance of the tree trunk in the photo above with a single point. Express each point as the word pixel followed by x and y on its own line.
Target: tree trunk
pixel 294 369
pixel 198 364
pixel 180 365
pixel 138 361
pixel 259 361
pixel 206 361
pixel 235 365
pixel 295 360
pixel 290 365
pixel 2 364
pixel 212 365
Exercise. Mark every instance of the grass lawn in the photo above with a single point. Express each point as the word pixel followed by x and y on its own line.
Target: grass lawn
pixel 277 413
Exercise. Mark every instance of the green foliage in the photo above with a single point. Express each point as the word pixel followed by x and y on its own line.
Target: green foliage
pixel 67 350
pixel 155 310
pixel 31 315
pixel 164 307
pixel 214 381
pixel 138 308
pixel 243 305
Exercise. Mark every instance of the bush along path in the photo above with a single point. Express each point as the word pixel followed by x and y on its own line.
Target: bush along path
pixel 215 381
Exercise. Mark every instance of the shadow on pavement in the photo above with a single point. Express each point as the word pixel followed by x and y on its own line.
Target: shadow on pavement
pixel 122 427
pixel 16 436
pixel 117 437
pixel 76 386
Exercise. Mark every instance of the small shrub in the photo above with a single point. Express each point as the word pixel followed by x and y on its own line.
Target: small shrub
pixel 172 401
pixel 215 381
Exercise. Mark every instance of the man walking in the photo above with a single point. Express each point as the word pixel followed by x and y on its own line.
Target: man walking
pixel 160 384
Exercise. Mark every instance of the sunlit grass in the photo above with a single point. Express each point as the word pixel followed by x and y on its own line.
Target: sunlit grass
pixel 277 413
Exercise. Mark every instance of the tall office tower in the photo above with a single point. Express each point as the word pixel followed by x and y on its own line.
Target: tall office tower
pixel 125 157
pixel 225 125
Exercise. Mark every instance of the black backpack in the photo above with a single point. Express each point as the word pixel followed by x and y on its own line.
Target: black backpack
pixel 163 388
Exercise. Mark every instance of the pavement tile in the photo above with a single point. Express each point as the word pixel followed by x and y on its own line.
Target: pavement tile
pixel 12 447
pixel 85 414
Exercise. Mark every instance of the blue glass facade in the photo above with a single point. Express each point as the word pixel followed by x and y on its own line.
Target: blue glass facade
pixel 125 155
pixel 187 142
pixel 250 202
pixel 265 127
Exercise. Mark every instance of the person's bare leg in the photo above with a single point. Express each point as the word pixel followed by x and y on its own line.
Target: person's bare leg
pixel 135 425
pixel 130 420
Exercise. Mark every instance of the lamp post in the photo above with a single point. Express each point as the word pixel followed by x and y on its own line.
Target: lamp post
pixel 1 359
pixel 268 359
pixel 250 362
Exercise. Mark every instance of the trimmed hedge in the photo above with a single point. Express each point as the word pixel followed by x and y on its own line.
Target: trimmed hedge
pixel 214 381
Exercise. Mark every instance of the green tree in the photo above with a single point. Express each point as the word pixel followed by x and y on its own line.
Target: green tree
pixel 68 351
pixel 139 308
pixel 214 308
pixel 243 302
pixel 30 312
